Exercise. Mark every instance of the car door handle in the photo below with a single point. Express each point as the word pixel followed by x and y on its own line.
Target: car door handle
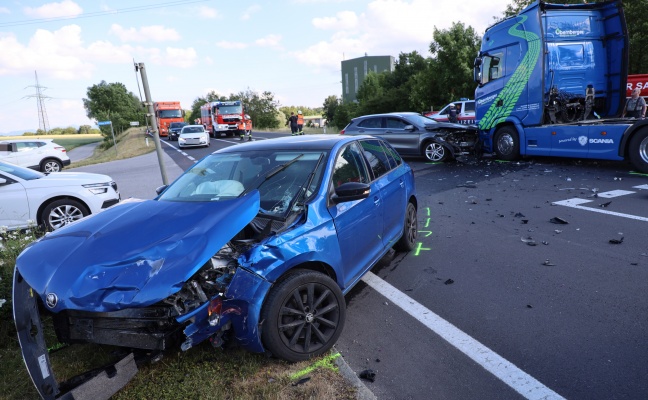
pixel 402 183
pixel 377 201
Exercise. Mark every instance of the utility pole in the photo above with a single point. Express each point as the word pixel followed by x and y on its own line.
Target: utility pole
pixel 154 126
pixel 43 122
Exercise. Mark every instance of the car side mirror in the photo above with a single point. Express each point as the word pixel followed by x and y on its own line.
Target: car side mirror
pixel 351 191
pixel 161 189
pixel 2 181
pixel 410 128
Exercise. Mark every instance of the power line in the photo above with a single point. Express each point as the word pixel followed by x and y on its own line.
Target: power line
pixel 100 13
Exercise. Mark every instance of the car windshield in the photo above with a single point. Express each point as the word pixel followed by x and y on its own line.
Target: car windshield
pixel 177 124
pixel 23 173
pixel 234 109
pixel 285 178
pixel 192 129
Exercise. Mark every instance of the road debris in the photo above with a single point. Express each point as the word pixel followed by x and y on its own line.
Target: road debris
pixel 448 282
pixel 557 231
pixel 301 381
pixel 518 215
pixel 616 241
pixel 548 263
pixel 557 220
pixel 529 241
pixel 368 374
pixel 603 205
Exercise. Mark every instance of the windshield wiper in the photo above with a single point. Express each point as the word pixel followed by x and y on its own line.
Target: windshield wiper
pixel 282 167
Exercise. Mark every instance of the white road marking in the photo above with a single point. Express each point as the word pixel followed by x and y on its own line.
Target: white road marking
pixel 576 203
pixel 507 372
pixel 614 193
pixel 641 187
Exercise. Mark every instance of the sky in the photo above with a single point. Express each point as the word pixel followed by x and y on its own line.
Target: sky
pixel 292 48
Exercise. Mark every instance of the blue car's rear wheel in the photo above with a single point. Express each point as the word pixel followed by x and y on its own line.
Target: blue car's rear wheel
pixel 303 316
pixel 407 241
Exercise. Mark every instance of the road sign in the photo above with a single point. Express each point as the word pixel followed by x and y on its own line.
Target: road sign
pixel 134 123
pixel 103 123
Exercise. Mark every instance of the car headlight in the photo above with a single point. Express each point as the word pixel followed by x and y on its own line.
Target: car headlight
pixel 97 188
pixel 181 140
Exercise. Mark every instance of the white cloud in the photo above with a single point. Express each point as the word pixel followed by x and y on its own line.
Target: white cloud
pixel 53 53
pixel 154 33
pixel 269 41
pixel 181 58
pixel 328 54
pixel 249 11
pixel 208 12
pixel 342 20
pixel 231 45
pixel 66 8
pixel 4 10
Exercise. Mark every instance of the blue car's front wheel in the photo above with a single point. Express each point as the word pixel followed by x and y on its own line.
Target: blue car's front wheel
pixel 303 316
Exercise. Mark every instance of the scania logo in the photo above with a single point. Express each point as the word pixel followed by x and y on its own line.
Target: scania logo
pixel 51 300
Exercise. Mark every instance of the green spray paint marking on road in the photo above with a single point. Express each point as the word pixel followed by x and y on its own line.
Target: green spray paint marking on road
pixel 326 362
pixel 419 248
pixel 637 173
pixel 427 233
pixel 514 87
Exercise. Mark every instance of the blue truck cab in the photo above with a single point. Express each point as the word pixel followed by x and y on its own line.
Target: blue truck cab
pixel 552 82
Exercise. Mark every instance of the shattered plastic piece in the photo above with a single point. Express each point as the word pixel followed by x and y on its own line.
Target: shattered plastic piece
pixel 548 263
pixel 525 221
pixel 448 282
pixel 368 374
pixel 568 179
pixel 529 241
pixel 301 381
pixel 529 306
pixel 545 242
pixel 557 231
pixel 605 204
pixel 489 199
pixel 616 241
pixel 518 215
pixel 557 220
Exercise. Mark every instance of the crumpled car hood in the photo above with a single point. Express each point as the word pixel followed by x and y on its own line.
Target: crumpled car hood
pixel 133 254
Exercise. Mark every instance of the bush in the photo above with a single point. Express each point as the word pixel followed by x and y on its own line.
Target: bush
pixel 11 245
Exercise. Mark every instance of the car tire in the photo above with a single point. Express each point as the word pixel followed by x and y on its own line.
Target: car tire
pixel 303 316
pixel 507 144
pixel 50 165
pixel 638 151
pixel 62 212
pixel 407 241
pixel 435 152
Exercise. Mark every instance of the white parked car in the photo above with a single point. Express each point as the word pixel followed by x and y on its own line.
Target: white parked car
pixel 40 154
pixel 193 135
pixel 30 197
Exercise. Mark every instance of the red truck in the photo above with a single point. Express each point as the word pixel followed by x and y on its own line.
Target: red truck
pixel 226 117
pixel 637 81
pixel 167 112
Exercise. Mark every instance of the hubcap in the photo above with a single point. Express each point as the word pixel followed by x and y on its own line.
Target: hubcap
pixel 309 318
pixel 51 167
pixel 63 215
pixel 643 150
pixel 505 144
pixel 435 152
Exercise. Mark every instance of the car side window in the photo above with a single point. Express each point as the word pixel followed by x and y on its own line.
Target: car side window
pixel 26 146
pixel 375 154
pixel 396 123
pixel 394 158
pixel 371 123
pixel 349 167
pixel 469 106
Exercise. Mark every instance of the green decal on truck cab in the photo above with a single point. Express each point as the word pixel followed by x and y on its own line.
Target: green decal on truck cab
pixel 514 87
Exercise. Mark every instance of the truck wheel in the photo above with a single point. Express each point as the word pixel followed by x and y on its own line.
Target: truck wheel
pixel 303 316
pixel 507 144
pixel 638 151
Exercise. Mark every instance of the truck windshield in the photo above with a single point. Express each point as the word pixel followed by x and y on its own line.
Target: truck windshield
pixel 230 109
pixel 170 114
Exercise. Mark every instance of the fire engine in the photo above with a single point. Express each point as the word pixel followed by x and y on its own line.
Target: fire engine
pixel 226 117
pixel 637 81
pixel 167 112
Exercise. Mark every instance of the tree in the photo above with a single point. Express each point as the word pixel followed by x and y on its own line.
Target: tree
pixel 84 129
pixel 112 102
pixel 453 53
pixel 636 12
pixel 262 108
pixel 331 104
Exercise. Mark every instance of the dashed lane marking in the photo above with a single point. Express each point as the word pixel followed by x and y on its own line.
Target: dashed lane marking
pixel 518 380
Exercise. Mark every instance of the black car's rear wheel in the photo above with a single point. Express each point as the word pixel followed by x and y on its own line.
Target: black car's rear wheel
pixel 303 316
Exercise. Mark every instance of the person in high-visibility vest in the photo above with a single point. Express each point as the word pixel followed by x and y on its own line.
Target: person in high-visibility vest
pixel 300 123
pixel 242 128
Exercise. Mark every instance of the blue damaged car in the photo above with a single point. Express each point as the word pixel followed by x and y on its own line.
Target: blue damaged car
pixel 256 243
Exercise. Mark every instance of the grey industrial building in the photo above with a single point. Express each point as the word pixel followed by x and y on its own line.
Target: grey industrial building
pixel 355 70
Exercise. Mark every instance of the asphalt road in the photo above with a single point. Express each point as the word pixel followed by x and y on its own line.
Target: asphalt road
pixel 497 301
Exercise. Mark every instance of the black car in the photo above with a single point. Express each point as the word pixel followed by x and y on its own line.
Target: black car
pixel 174 130
pixel 412 134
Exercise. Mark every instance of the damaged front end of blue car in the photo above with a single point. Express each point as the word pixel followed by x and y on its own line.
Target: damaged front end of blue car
pixel 175 283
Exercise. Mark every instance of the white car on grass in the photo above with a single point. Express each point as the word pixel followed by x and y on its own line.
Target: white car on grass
pixel 193 135
pixel 40 154
pixel 30 197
